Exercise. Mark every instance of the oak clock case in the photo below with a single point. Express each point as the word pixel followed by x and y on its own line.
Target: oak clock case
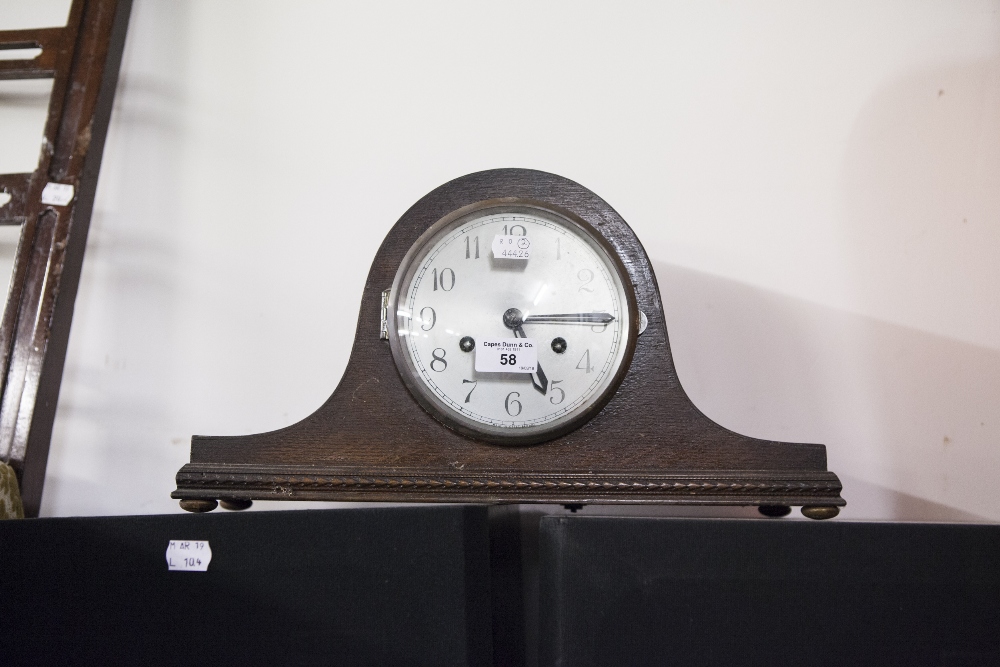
pixel 396 430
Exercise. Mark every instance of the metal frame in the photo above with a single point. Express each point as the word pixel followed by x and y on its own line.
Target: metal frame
pixel 83 58
pixel 459 422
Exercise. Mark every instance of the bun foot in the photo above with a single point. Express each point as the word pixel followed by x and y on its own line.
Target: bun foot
pixel 820 511
pixel 775 510
pixel 235 504
pixel 198 505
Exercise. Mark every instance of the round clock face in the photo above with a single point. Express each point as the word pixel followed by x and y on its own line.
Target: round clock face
pixel 513 323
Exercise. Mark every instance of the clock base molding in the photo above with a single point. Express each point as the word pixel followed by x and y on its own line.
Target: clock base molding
pixel 811 489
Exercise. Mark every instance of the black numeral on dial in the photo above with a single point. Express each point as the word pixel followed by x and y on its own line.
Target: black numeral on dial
pixel 562 394
pixel 508 404
pixel 438 360
pixel 446 280
pixel 427 323
pixel 473 383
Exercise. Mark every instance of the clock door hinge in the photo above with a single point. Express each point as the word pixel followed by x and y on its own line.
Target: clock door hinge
pixel 383 332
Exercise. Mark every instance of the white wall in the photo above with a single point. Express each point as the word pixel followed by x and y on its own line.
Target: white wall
pixel 818 185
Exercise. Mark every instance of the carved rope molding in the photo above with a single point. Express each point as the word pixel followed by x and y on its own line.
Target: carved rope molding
pixel 676 484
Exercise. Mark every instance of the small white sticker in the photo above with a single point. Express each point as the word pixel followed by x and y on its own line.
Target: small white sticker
pixel 511 247
pixel 188 555
pixel 57 194
pixel 506 355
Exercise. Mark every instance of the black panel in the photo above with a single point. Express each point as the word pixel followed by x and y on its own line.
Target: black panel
pixel 649 591
pixel 392 586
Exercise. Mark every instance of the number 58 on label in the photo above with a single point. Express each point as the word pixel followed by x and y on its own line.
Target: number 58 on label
pixel 506 355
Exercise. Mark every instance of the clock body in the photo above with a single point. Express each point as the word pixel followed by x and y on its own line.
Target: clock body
pixel 421 415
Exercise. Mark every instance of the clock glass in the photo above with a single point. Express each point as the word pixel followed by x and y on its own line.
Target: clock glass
pixel 512 322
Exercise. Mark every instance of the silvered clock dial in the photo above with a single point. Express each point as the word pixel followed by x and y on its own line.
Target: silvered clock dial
pixel 526 274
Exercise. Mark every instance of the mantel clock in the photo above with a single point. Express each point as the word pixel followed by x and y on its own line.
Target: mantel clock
pixel 510 348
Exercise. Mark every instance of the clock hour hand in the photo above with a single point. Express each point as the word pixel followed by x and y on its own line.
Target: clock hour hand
pixel 512 319
pixel 538 379
pixel 571 318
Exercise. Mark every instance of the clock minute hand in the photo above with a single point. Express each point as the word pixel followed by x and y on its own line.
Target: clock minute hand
pixel 538 379
pixel 571 318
